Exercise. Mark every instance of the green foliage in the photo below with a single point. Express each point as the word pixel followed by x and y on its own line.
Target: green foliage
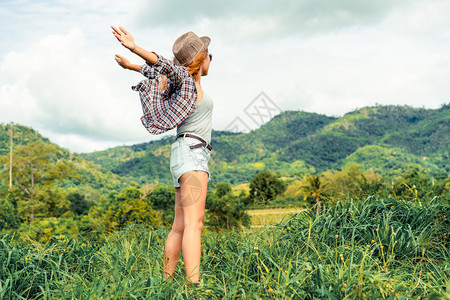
pixel 94 180
pixel 362 242
pixel 386 143
pixel 9 218
pixel 415 184
pixel 314 187
pixel 226 211
pixel 222 189
pixel 162 198
pixel 91 180
pixel 345 184
pixel 264 187
pixel 78 203
pixel 372 249
pixel 389 161
pixel 325 151
pixel 352 183
pixel 143 162
pixel 385 138
pixel 128 208
pixel 140 167
pixel 37 171
pixel 371 184
pixel 22 135
pixel 424 134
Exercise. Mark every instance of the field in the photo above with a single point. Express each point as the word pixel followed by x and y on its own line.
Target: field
pixel 264 217
pixel 372 249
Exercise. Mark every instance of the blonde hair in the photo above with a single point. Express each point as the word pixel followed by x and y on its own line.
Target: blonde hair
pixel 193 68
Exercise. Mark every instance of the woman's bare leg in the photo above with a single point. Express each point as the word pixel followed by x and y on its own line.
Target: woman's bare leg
pixel 194 186
pixel 173 243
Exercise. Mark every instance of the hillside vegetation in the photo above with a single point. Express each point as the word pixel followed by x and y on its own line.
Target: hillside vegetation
pixel 295 143
pixel 386 139
pixel 367 195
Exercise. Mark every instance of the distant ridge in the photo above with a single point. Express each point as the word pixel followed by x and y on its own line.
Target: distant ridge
pixel 293 143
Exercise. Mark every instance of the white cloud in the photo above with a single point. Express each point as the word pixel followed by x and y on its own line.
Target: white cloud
pixel 62 87
pixel 315 55
pixel 267 19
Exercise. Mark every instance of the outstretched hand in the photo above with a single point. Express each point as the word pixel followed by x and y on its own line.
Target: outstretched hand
pixel 122 61
pixel 124 37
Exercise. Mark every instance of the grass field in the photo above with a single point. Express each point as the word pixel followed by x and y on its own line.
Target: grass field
pixel 264 217
pixel 372 249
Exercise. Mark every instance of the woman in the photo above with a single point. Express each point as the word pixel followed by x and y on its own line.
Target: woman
pixel 191 150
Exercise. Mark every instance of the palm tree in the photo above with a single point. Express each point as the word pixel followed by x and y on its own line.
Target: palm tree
pixel 314 188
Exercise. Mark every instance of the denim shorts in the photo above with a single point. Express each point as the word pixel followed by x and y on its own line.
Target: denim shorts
pixel 184 159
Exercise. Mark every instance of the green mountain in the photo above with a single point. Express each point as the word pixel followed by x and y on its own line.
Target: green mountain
pixel 419 132
pixel 22 135
pixel 94 179
pixel 388 139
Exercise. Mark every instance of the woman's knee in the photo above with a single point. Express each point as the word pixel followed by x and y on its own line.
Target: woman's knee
pixel 194 223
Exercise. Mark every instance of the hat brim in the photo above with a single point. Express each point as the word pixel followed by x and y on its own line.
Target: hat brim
pixel 206 40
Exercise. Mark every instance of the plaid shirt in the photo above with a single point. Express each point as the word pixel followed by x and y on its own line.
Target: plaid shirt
pixel 165 109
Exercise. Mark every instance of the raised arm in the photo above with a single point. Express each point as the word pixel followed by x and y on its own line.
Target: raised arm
pixel 161 65
pixel 126 39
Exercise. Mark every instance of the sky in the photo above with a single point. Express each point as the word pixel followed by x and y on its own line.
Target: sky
pixel 58 73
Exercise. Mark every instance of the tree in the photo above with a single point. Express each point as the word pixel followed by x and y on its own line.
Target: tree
pixel 163 200
pixel 78 203
pixel 226 211
pixel 264 187
pixel 222 189
pixel 129 208
pixel 371 183
pixel 343 185
pixel 314 188
pixel 9 218
pixel 36 172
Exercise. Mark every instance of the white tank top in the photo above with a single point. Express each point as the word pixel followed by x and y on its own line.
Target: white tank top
pixel 199 120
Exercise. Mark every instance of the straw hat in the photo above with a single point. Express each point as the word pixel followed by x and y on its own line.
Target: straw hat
pixel 188 46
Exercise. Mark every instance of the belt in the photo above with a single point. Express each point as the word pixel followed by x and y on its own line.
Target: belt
pixel 203 142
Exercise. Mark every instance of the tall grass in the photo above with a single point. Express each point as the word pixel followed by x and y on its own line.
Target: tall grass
pixel 371 249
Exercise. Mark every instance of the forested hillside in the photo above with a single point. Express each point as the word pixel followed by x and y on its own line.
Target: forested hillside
pixel 296 159
pixel 92 180
pixel 383 138
pixel 22 135
pixel 387 139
